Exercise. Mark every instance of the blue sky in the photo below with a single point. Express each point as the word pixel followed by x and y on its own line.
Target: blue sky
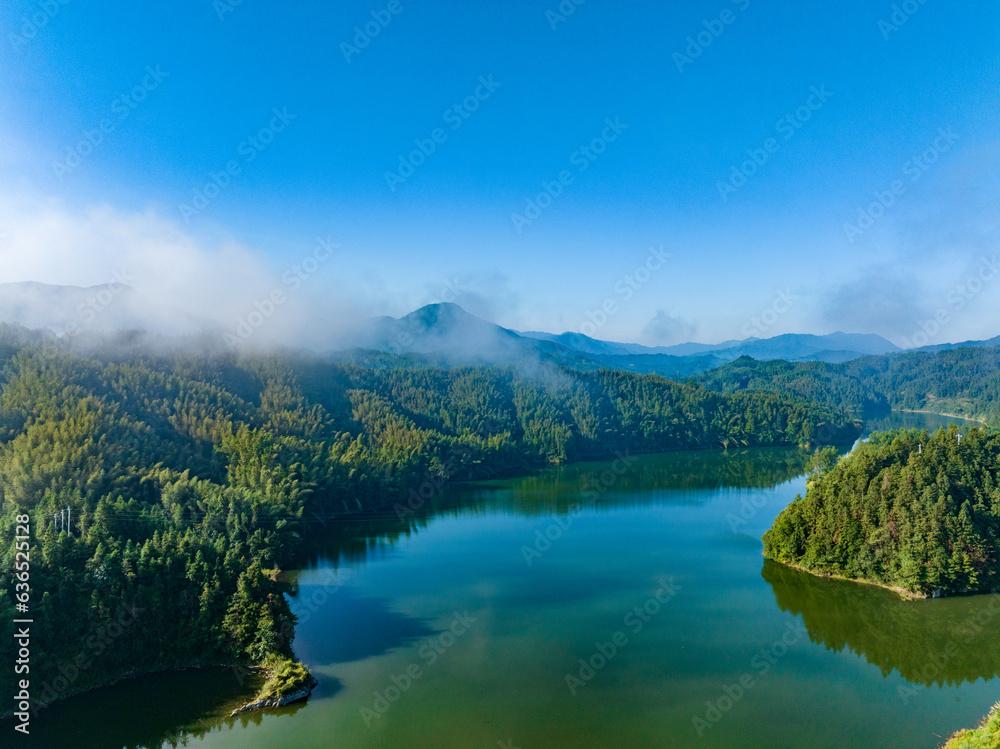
pixel 834 99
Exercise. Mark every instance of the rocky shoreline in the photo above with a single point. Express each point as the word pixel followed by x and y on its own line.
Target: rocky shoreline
pixel 300 694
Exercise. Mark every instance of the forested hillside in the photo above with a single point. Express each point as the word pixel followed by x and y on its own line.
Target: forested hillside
pixel 193 477
pixel 965 381
pixel 905 510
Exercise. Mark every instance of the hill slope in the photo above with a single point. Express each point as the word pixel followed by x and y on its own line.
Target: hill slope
pixel 964 382
pixel 193 477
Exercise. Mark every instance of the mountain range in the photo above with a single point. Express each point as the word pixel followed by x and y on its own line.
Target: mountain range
pixel 443 334
pixel 447 334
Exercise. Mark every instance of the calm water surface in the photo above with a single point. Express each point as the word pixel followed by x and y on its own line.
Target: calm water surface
pixel 464 625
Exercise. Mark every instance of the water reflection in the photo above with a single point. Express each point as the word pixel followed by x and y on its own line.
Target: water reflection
pixel 753 468
pixel 680 477
pixel 168 708
pixel 913 420
pixel 675 504
pixel 944 641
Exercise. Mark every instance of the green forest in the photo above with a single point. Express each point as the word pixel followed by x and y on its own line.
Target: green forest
pixel 193 477
pixel 907 510
pixel 964 382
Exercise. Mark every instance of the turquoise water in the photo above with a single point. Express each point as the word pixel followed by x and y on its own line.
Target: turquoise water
pixel 614 604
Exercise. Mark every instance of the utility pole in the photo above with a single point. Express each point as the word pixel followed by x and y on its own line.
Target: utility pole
pixel 55 522
pixel 69 515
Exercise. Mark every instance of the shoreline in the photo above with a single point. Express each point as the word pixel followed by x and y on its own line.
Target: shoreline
pixel 905 594
pixel 38 708
pixel 975 419
pixel 300 694
pixel 360 514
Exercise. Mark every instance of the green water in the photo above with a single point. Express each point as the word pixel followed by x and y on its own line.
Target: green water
pixel 457 626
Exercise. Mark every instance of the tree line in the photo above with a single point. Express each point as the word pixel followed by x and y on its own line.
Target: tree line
pixel 963 381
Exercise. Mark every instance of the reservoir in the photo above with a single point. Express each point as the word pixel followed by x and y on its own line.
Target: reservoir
pixel 623 603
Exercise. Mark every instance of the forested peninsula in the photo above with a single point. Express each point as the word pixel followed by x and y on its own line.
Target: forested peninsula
pixel 193 477
pixel 910 511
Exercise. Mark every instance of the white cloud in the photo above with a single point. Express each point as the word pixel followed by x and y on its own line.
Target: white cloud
pixel 664 329
pixel 169 269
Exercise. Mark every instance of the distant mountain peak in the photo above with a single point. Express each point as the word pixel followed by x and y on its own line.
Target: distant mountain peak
pixel 443 313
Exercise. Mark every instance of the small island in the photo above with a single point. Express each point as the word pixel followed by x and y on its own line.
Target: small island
pixel 916 513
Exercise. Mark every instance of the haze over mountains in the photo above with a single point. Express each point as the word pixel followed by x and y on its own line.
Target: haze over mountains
pixel 107 307
pixel 438 333
pixel 445 333
pixel 789 345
